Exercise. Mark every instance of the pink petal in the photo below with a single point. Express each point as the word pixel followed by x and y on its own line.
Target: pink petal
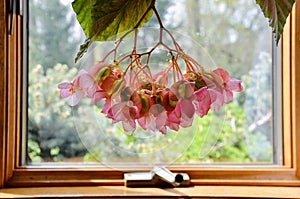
pixel 213 95
pixel 186 121
pixel 65 85
pixel 99 95
pixel 163 130
pixel 209 83
pixel 173 126
pixel 156 109
pixel 92 90
pixel 203 101
pixel 96 68
pixel 187 112
pixel 142 122
pixel 86 81
pixel 79 93
pixel 73 101
pixel 161 120
pixel 132 123
pixel 228 96
pixel 201 93
pixel 203 107
pixel 217 100
pixel 107 106
pixel 76 81
pixel 147 122
pixel 82 72
pixel 115 112
pixel 223 73
pixel 75 98
pixel 187 108
pixel 234 85
pixel 151 125
pixel 125 113
pixel 128 127
pixel 183 89
pixel 173 117
pixel 65 93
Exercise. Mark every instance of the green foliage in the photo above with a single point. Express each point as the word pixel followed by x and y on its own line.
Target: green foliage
pixel 225 143
pixel 102 20
pixel 277 11
pixel 34 151
pixel 219 137
pixel 50 121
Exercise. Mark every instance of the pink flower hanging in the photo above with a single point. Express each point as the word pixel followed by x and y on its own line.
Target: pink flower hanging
pixel 134 96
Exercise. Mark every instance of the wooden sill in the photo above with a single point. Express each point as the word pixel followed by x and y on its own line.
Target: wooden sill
pixel 124 192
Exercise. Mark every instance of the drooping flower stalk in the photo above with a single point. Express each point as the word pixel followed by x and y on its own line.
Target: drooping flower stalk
pixel 134 95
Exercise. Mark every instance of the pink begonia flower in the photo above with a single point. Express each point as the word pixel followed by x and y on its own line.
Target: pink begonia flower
pixel 217 100
pixel 147 100
pixel 229 84
pixel 84 80
pixel 203 101
pixel 76 89
pixel 232 85
pixel 173 120
pixel 68 89
pixel 187 112
pixel 183 89
pixel 156 118
pixel 125 112
pixel 147 122
pixel 182 115
pixel 105 75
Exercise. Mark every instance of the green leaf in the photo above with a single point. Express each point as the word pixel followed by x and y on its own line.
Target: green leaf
pixel 83 48
pixel 103 20
pixel 277 11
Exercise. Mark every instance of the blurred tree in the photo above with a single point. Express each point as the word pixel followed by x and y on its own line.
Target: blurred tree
pixel 258 108
pixel 53 37
pixel 216 25
pixel 227 30
pixel 50 121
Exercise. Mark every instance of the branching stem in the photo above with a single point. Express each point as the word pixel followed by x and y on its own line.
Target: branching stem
pixel 136 65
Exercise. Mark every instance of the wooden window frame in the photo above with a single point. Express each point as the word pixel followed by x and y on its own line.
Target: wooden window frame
pixel 12 174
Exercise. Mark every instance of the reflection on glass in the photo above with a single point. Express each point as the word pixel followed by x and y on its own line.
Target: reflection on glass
pixel 213 32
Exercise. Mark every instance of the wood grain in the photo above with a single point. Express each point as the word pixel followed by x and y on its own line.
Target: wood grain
pixel 296 85
pixel 3 54
pixel 123 192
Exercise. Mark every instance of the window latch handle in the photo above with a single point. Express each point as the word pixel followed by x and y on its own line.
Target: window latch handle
pixel 158 177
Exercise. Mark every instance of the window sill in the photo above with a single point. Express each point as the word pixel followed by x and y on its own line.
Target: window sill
pixel 124 192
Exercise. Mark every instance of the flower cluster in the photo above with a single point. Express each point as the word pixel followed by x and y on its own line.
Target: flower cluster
pixel 136 97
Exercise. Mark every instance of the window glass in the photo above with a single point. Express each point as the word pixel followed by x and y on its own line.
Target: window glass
pixel 230 34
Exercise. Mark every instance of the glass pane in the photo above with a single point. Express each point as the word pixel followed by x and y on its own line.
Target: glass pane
pixel 233 35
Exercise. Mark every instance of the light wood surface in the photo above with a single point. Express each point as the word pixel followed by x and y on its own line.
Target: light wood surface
pixel 123 192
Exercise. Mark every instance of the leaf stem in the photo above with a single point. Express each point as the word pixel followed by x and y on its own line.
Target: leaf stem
pixel 145 14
